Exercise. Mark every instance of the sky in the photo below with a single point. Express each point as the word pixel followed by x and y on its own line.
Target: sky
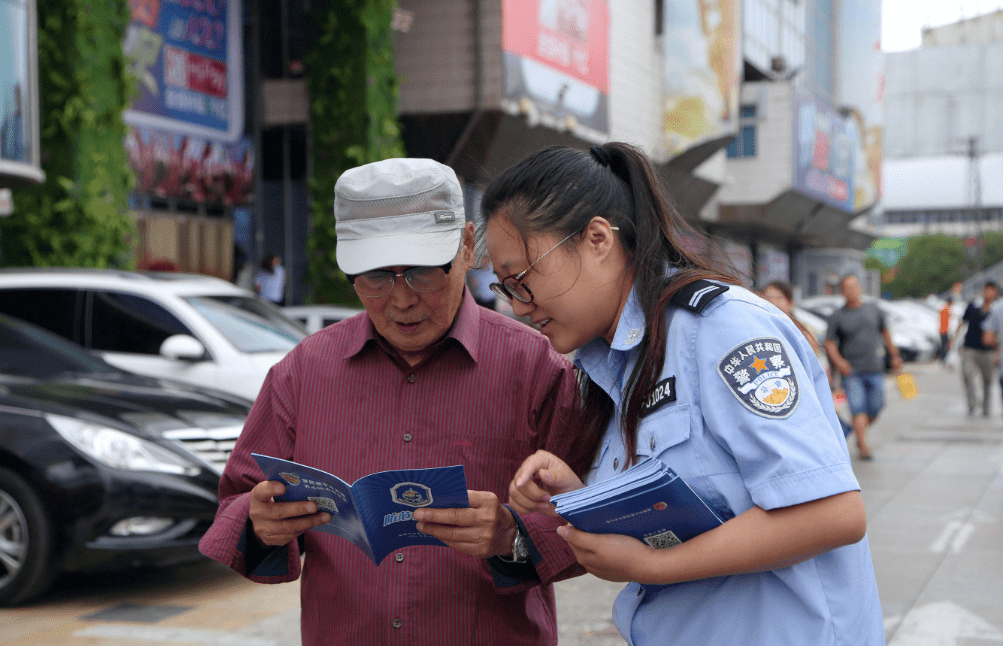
pixel 903 20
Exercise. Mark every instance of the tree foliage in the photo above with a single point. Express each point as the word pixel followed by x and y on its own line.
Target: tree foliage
pixel 353 114
pixel 992 248
pixel 78 216
pixel 932 263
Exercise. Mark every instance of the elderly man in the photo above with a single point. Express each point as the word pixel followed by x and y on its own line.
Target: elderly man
pixel 424 378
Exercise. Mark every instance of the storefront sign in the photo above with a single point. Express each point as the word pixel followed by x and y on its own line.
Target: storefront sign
pixel 825 146
pixel 556 57
pixel 187 56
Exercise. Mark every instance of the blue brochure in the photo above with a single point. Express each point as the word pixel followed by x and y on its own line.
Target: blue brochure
pixel 649 501
pixel 375 512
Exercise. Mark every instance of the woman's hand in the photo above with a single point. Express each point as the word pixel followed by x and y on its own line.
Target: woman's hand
pixel 613 557
pixel 541 475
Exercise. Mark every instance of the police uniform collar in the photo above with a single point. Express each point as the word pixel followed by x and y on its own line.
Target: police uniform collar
pixel 630 327
pixel 463 330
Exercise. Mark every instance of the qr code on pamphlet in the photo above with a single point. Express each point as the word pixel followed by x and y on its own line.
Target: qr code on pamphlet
pixel 663 540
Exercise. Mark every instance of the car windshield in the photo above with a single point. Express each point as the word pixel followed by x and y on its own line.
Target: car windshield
pixel 249 324
pixel 29 351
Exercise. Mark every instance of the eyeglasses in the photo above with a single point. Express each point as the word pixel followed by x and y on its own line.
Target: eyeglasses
pixel 512 287
pixel 380 282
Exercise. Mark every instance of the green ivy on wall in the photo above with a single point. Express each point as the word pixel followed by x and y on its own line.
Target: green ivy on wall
pixel 353 118
pixel 78 216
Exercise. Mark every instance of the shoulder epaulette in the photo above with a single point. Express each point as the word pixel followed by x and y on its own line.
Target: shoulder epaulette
pixel 697 295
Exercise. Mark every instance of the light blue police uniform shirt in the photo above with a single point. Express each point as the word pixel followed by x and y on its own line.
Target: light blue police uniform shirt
pixel 774 445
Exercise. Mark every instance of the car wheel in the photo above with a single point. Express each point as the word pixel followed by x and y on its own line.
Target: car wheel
pixel 26 541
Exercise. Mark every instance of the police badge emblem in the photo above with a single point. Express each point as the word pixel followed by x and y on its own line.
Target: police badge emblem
pixel 411 494
pixel 759 373
pixel 291 478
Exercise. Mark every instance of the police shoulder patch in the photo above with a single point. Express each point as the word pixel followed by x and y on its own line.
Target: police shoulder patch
pixel 760 374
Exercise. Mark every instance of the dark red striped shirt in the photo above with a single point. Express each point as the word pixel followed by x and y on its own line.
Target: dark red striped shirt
pixel 492 393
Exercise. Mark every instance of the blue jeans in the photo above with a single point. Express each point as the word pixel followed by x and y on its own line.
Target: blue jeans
pixel 865 393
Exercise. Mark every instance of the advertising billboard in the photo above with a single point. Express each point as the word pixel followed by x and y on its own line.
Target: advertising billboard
pixel 556 58
pixel 701 44
pixel 860 87
pixel 186 55
pixel 19 156
pixel 825 147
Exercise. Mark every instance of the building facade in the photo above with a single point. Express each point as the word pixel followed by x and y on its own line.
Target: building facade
pixel 803 176
pixel 944 144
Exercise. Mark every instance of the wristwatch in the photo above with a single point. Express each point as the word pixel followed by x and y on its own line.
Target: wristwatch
pixel 520 548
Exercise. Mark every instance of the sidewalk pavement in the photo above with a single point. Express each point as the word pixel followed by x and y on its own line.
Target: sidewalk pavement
pixel 934 499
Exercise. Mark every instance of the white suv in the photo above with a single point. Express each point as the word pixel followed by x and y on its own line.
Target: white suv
pixel 187 327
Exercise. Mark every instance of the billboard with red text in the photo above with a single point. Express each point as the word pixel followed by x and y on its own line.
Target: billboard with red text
pixel 556 58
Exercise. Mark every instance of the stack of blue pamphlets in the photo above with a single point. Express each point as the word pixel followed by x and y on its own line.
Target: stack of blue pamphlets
pixel 647 501
pixel 375 512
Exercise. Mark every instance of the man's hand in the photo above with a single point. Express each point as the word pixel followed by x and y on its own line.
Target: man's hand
pixel 484 529
pixel 278 523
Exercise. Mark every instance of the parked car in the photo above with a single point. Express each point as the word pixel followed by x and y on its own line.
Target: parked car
pixel 317 317
pixel 100 468
pixel 191 328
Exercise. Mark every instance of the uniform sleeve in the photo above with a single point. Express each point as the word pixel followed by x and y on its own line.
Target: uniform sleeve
pixel 762 405
pixel 549 555
pixel 269 430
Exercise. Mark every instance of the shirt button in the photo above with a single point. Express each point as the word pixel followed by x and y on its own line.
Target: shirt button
pixel 397 623
pixel 652 442
pixel 407 437
pixel 411 379
pixel 399 557
pixel 616 463
pixel 640 590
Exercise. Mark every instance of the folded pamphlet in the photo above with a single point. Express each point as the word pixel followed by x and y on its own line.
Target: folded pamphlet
pixel 649 501
pixel 375 512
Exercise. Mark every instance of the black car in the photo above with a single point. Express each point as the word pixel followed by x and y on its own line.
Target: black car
pixel 100 468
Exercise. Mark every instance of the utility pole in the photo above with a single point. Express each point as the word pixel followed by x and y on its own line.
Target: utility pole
pixel 975 197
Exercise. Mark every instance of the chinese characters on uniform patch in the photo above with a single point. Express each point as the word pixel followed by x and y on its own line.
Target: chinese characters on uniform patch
pixel 759 373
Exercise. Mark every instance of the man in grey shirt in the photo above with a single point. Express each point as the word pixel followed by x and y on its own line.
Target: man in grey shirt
pixel 854 341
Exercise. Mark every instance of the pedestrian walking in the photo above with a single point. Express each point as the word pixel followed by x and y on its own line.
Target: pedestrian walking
pixel 855 343
pixel 992 334
pixel 425 378
pixel 270 281
pixel 978 360
pixel 945 330
pixel 682 365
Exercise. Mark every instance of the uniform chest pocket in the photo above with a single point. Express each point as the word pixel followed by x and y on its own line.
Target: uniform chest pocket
pixel 665 430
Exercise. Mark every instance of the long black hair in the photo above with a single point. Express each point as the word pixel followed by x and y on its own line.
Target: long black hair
pixel 558 191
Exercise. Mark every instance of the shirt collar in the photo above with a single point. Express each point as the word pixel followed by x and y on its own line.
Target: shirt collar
pixel 464 330
pixel 605 363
